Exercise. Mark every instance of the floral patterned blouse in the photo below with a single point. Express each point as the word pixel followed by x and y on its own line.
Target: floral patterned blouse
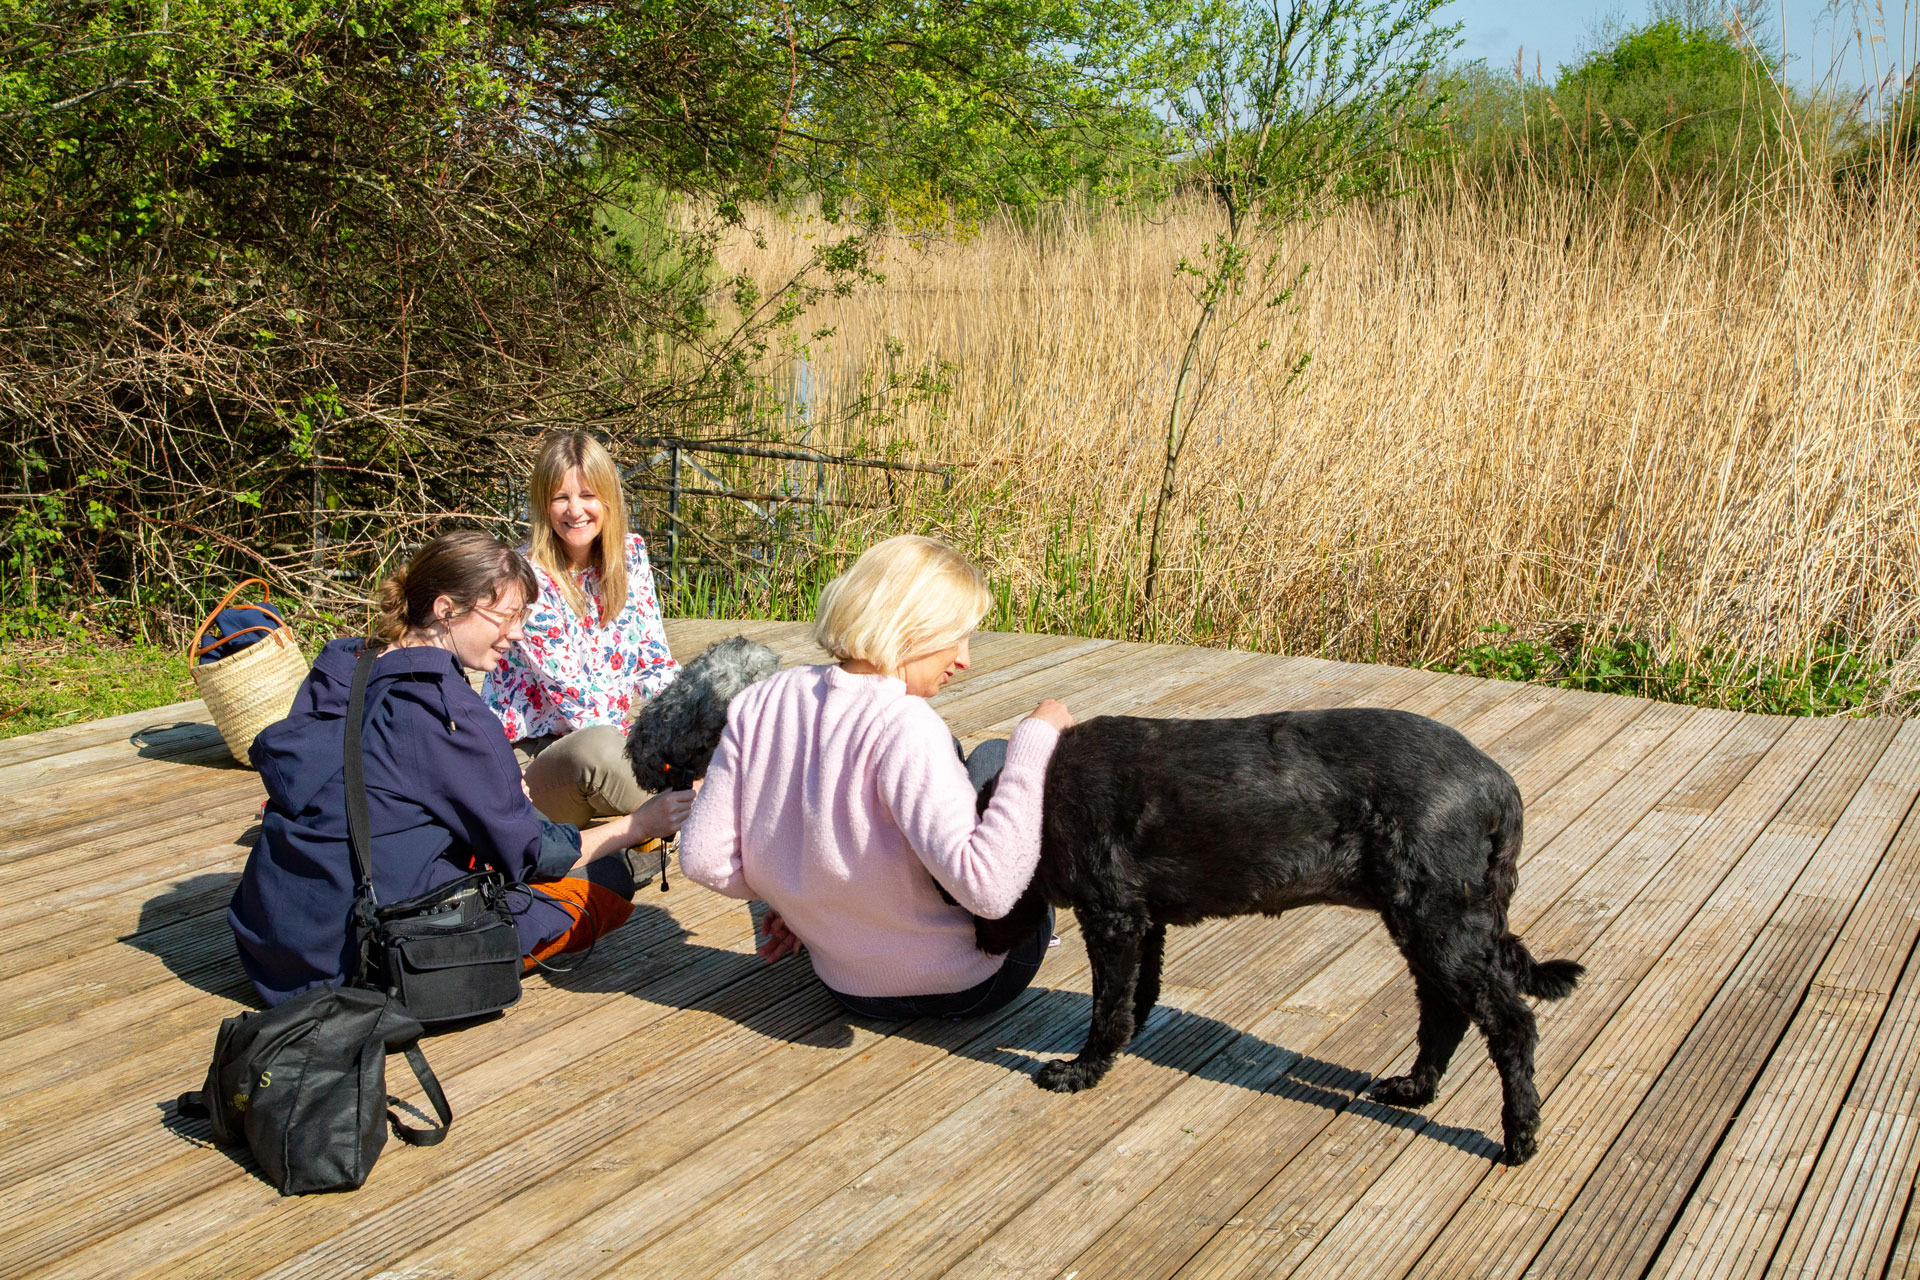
pixel 567 673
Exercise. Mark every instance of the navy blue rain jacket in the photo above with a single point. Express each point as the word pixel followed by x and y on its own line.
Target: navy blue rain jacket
pixel 442 789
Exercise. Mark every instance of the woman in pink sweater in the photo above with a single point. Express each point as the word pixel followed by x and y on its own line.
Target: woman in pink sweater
pixel 838 797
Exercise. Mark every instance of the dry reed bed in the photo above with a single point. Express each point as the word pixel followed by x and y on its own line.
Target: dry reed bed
pixel 1698 426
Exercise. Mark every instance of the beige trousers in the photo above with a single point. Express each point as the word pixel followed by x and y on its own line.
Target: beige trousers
pixel 580 776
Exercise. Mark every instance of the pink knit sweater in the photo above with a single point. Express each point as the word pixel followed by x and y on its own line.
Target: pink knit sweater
pixel 832 797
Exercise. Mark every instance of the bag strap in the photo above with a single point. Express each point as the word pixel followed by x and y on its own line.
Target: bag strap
pixel 366 906
pixel 244 631
pixel 430 1083
pixel 359 824
pixel 192 1105
pixel 266 594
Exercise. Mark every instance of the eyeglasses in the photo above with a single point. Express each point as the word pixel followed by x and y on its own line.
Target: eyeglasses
pixel 505 621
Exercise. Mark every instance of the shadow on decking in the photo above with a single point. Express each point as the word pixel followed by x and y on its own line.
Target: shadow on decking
pixel 1041 1024
pixel 185 927
pixel 184 742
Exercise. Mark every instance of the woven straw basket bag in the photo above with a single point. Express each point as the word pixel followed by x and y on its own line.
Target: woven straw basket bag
pixel 251 689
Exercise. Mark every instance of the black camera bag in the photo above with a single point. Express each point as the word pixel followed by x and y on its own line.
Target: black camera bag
pixel 304 1086
pixel 451 953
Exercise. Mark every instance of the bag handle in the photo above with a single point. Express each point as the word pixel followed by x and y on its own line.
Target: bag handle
pixel 430 1083
pixel 194 649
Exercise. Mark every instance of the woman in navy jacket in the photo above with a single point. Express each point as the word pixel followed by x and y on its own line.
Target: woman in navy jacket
pixel 443 789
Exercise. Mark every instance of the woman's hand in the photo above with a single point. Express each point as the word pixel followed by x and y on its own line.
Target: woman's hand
pixel 661 816
pixel 779 941
pixel 1054 713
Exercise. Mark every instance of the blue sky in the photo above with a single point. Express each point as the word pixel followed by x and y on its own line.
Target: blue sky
pixel 1557 31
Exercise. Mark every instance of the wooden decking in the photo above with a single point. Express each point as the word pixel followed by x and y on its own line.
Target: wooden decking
pixel 1731 1091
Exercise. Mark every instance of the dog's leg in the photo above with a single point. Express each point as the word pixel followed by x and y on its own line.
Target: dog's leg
pixel 1506 1021
pixel 1146 989
pixel 1113 948
pixel 1442 1024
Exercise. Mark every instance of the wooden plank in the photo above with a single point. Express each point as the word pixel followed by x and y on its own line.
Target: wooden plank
pixel 85 1118
pixel 1163 1157
pixel 441 1227
pixel 812 1160
pixel 1209 1191
pixel 52 816
pixel 1623 1055
pixel 1904 1264
pixel 1136 1185
pixel 82 984
pixel 1734 1218
pixel 153 739
pixel 993 709
pixel 945 1168
pixel 503 1083
pixel 212 952
pixel 589 1218
pixel 121 818
pixel 1131 683
pixel 1689 1107
pixel 1848 1220
pixel 921 1209
pixel 94 733
pixel 1628 1203
pixel 124 897
pixel 1281 1228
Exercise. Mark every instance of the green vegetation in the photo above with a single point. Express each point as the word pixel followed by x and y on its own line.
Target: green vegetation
pixel 286 287
pixel 1832 679
pixel 50 683
pixel 1681 102
pixel 283 286
pixel 1287 118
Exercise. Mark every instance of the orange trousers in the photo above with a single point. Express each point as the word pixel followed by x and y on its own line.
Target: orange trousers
pixel 596 911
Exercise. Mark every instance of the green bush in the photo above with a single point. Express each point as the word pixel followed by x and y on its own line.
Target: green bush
pixel 1670 104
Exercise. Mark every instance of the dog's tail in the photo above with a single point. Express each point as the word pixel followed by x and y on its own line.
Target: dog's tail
pixel 1553 979
pixel 1545 980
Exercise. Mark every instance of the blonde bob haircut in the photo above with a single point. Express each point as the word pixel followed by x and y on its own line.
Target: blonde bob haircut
pixel 560 453
pixel 902 598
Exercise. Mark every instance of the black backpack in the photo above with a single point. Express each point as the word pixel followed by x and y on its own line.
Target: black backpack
pixel 304 1086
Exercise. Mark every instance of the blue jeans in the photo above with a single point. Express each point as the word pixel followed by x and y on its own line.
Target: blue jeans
pixel 1015 975
pixel 1016 971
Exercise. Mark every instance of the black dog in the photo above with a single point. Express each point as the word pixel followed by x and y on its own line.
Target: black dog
pixel 1149 823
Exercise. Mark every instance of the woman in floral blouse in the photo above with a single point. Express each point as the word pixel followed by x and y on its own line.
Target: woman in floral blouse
pixel 593 649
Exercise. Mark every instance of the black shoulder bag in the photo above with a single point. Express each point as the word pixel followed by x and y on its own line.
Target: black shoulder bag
pixel 304 1086
pixel 450 954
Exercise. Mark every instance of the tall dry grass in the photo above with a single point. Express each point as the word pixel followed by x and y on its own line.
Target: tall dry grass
pixel 1699 425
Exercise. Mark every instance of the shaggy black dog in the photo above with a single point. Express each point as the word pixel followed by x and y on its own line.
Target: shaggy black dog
pixel 674 737
pixel 1150 823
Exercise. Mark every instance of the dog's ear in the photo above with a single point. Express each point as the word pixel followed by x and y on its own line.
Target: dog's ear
pixel 997 937
pixel 985 797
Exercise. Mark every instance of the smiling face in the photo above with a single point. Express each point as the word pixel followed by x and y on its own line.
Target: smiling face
pixel 577 515
pixel 928 673
pixel 480 636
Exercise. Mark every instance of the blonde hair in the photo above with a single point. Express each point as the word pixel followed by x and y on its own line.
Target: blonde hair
pixel 560 453
pixel 468 566
pixel 902 598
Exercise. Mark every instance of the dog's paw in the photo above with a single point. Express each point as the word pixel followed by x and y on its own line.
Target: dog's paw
pixel 1401 1091
pixel 1519 1148
pixel 1069 1075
